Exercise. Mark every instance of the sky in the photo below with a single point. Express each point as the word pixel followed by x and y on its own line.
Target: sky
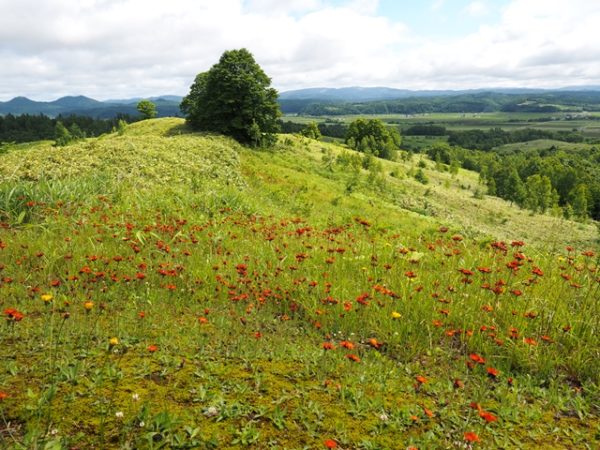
pixel 134 48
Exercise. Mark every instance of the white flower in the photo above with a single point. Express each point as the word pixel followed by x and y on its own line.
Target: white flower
pixel 383 417
pixel 211 411
pixel 135 396
pixel 119 414
pixel 142 424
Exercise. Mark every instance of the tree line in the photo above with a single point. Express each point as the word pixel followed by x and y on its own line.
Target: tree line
pixel 28 128
pixel 539 180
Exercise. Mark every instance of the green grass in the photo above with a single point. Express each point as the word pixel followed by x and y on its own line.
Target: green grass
pixel 178 289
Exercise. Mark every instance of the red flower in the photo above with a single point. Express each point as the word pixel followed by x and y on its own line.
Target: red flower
pixel 3 395
pixel 488 417
pixel 152 348
pixel 330 443
pixel 347 344
pixel 493 373
pixel 471 437
pixel 476 358
pixel 328 346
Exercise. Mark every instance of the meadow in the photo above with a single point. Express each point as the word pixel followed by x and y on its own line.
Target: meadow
pixel 167 289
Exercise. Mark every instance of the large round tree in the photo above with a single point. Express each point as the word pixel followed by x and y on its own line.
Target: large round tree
pixel 234 98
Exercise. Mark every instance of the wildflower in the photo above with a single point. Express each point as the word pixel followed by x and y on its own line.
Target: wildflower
pixel 330 443
pixel 119 414
pixel 458 384
pixel 396 315
pixel 135 396
pixel 47 298
pixel 152 348
pixel 374 343
pixel 492 373
pixel 113 341
pixel 88 305
pixel 3 395
pixel 471 437
pixel 487 416
pixel 347 344
pixel 477 358
pixel 328 346
pixel 421 379
pixel 13 315
pixel 353 357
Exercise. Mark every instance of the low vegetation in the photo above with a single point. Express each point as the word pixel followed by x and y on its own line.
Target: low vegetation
pixel 165 289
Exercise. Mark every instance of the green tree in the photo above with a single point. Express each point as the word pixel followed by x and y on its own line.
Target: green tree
pixel 234 98
pixel 61 135
pixel 147 109
pixel 311 131
pixel 540 195
pixel 372 135
pixel 579 201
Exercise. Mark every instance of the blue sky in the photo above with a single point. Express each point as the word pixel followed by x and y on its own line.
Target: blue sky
pixel 442 19
pixel 126 48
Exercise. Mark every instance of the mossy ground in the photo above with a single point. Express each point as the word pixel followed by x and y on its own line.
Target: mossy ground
pixel 223 271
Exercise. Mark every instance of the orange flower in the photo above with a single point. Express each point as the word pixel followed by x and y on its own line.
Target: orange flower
pixel 471 437
pixel 476 358
pixel 328 346
pixel 152 348
pixel 347 344
pixel 202 320
pixel 3 395
pixel 330 443
pixel 488 417
pixel 493 373
pixel 421 379
pixel 374 343
pixel 353 357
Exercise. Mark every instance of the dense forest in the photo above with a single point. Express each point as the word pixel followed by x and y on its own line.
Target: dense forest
pixel 27 128
pixel 552 179
pixel 548 102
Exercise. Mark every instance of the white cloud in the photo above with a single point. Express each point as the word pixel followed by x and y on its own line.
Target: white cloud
pixel 437 5
pixel 121 48
pixel 477 8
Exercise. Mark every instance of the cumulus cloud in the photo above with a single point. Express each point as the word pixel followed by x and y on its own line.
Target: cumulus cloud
pixel 122 48
pixel 477 8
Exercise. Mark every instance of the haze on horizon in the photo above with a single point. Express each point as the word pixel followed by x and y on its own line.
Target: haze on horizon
pixel 129 48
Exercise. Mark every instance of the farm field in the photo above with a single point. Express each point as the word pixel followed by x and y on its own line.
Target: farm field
pixel 589 124
pixel 166 289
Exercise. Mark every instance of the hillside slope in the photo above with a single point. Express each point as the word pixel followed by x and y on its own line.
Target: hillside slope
pixel 167 289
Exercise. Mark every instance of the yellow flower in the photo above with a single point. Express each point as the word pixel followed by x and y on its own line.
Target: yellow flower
pixel 88 305
pixel 113 341
pixel 47 298
pixel 396 315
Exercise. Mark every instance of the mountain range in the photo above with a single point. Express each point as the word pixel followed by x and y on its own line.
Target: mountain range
pixel 309 101
pixel 166 106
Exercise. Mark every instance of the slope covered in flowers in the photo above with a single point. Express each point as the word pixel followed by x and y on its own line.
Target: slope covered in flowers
pixel 257 305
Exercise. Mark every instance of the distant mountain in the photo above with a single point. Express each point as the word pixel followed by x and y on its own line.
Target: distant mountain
pixel 368 94
pixel 166 105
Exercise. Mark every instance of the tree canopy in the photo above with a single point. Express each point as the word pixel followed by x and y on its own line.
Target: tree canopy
pixel 373 136
pixel 147 109
pixel 234 98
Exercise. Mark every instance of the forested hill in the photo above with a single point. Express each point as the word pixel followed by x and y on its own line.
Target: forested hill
pixel 445 102
pixel 166 106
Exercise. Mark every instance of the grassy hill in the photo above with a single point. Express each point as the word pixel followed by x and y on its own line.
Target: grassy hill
pixel 163 289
